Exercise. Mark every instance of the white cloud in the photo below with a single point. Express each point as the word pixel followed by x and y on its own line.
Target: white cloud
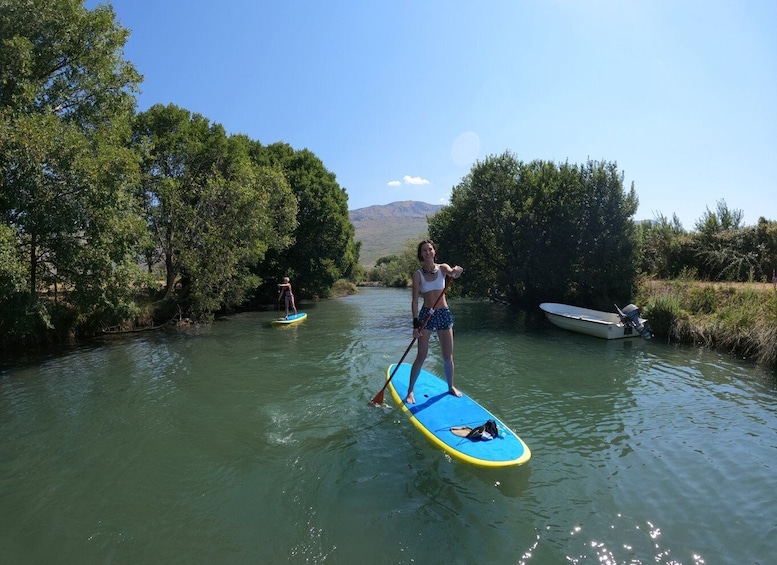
pixel 394 183
pixel 414 180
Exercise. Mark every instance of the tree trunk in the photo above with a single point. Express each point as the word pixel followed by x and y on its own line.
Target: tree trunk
pixel 169 276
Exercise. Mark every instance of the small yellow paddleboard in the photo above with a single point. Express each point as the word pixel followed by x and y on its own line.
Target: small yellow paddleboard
pixel 292 319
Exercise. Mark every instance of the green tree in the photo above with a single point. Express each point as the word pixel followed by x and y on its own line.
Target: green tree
pixel 472 229
pixel 722 248
pixel 746 254
pixel 324 249
pixel 722 219
pixel 658 244
pixel 765 236
pixel 12 271
pixel 538 231
pixel 397 270
pixel 66 96
pixel 213 213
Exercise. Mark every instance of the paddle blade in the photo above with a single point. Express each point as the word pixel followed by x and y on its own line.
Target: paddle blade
pixel 378 400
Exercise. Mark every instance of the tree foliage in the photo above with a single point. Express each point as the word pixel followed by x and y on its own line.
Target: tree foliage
pixel 723 219
pixel 721 248
pixel 66 95
pixel 397 270
pixel 745 254
pixel 529 232
pixel 90 191
pixel 659 245
pixel 324 249
pixel 212 211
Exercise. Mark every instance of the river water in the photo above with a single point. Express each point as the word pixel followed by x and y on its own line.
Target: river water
pixel 245 443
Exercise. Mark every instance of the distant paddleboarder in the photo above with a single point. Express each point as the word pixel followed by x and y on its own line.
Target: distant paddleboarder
pixel 284 290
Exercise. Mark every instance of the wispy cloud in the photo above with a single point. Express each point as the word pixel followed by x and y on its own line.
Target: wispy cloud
pixel 394 183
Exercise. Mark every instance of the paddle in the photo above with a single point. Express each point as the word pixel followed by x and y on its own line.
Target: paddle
pixel 378 400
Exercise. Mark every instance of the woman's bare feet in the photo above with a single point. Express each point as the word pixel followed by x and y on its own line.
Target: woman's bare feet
pixel 410 398
pixel 454 391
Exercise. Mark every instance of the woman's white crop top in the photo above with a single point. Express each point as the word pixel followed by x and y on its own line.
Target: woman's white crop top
pixel 437 284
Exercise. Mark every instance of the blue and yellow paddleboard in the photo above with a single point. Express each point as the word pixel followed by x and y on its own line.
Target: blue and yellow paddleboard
pixel 436 412
pixel 292 319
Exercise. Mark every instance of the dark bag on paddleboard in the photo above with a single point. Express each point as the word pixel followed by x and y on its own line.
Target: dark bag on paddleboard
pixel 484 432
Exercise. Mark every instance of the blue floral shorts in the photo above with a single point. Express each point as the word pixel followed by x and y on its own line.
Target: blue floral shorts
pixel 442 319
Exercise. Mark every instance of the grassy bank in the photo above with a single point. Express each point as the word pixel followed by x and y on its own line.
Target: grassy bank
pixel 736 318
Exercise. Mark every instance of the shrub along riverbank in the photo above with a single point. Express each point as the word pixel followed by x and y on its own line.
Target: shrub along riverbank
pixel 736 318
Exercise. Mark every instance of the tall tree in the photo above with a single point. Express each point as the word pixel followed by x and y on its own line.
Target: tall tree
pixel 720 247
pixel 722 219
pixel 66 96
pixel 213 213
pixel 659 242
pixel 540 231
pixel 324 249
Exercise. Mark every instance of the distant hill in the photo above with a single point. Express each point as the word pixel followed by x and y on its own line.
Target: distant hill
pixel 384 229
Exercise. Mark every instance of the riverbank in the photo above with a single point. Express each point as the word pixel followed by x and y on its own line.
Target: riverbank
pixel 736 318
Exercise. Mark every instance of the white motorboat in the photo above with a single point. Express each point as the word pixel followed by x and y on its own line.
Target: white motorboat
pixel 616 325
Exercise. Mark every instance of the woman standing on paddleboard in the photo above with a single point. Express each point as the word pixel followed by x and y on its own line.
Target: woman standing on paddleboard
pixel 429 282
pixel 284 290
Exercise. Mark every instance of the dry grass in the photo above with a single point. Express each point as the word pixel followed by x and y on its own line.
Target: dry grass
pixel 736 318
pixel 655 284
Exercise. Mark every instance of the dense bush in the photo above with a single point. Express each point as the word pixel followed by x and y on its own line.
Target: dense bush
pixel 539 231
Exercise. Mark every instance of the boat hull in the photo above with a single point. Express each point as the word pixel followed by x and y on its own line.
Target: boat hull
pixel 590 322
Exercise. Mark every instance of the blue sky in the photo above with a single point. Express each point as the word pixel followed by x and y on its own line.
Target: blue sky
pixel 400 98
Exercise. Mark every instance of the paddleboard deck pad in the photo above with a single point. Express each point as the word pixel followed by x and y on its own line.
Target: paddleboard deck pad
pixel 440 416
pixel 292 319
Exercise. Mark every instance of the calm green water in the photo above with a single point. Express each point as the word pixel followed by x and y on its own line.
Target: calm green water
pixel 244 443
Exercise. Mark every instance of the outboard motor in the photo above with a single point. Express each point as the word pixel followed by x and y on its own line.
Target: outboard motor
pixel 630 317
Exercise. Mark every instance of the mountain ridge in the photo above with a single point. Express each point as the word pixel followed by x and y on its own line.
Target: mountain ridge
pixel 383 229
